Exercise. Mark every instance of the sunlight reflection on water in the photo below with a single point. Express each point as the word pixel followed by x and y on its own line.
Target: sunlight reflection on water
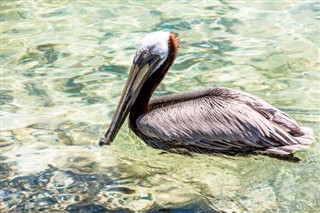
pixel 64 64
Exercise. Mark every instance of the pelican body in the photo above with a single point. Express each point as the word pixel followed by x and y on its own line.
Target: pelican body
pixel 208 120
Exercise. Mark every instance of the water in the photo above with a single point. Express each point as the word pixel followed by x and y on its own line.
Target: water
pixel 64 64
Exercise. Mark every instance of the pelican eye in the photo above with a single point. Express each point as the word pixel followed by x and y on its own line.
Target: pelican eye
pixel 144 53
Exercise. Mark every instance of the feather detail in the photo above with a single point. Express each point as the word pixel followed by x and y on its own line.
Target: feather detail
pixel 220 119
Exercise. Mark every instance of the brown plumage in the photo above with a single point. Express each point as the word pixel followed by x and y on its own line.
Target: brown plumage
pixel 208 120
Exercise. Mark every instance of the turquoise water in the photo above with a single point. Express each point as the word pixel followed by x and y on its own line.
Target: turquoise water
pixel 64 64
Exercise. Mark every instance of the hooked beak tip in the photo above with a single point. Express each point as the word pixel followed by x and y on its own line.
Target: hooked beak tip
pixel 104 141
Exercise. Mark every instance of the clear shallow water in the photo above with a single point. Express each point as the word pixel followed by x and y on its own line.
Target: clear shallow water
pixel 64 64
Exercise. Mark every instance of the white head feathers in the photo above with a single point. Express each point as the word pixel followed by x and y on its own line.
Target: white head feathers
pixel 157 42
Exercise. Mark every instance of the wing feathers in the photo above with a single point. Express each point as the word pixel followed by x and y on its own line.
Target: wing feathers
pixel 220 119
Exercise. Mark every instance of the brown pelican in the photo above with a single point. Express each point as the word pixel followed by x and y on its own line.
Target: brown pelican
pixel 208 120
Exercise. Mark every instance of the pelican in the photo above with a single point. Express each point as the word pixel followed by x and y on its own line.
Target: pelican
pixel 208 120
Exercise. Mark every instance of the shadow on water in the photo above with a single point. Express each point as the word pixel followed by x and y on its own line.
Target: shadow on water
pixel 245 152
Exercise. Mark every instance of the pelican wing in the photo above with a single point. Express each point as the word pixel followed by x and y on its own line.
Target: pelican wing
pixel 218 119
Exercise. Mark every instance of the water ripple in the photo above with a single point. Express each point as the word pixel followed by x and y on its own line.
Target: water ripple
pixel 63 67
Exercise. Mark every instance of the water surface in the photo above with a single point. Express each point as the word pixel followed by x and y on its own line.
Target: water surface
pixel 64 64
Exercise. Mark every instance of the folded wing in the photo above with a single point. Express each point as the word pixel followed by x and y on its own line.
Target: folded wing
pixel 220 119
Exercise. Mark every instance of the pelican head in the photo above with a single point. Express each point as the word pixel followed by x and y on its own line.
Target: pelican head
pixel 154 56
pixel 153 45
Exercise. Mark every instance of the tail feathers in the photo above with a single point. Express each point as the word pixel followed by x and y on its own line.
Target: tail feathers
pixel 303 142
pixel 308 136
pixel 285 150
